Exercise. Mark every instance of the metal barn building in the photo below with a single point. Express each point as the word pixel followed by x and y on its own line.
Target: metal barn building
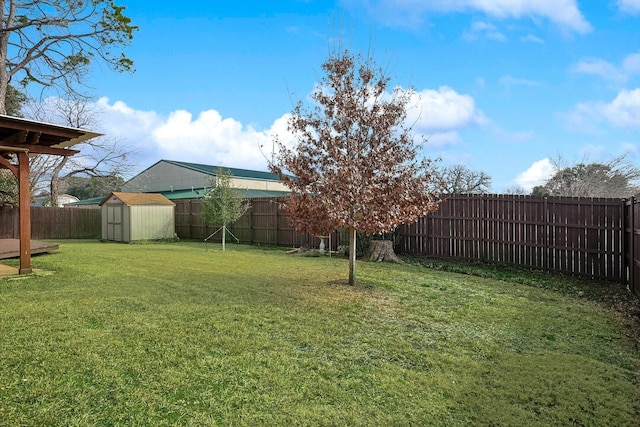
pixel 127 217
pixel 171 178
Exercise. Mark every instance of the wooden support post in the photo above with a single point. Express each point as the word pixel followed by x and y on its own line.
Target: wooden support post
pixel 24 211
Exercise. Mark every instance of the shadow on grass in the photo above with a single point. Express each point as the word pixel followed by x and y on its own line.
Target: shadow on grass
pixel 624 303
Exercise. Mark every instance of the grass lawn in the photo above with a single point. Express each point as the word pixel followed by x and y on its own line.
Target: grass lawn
pixel 171 334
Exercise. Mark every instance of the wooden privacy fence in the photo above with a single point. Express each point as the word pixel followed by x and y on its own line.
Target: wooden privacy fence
pixel 585 237
pixel 579 236
pixel 597 238
pixel 265 223
pixel 53 223
pixel 632 243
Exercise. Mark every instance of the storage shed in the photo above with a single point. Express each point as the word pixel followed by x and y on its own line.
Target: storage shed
pixel 127 217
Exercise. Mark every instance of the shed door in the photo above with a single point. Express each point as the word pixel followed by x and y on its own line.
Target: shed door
pixel 114 222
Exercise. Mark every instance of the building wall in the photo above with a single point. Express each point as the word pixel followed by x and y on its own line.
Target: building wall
pixel 166 177
pixel 256 184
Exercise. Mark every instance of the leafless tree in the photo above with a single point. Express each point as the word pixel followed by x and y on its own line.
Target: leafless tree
pixel 517 190
pixel 618 177
pixel 104 156
pixel 459 179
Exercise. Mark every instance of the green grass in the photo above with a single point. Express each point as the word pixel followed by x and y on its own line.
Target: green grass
pixel 171 334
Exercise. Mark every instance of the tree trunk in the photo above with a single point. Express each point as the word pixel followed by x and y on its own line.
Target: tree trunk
pixel 352 256
pixel 4 75
pixel 54 184
pixel 382 250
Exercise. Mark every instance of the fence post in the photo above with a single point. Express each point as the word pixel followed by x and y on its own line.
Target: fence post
pixel 483 230
pixel 546 249
pixel 629 233
pixel 277 219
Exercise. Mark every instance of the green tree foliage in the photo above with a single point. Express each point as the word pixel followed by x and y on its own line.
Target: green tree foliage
pixel 90 187
pixel 52 43
pixel 223 204
pixel 14 101
pixel 615 178
pixel 355 164
pixel 8 188
pixel 8 183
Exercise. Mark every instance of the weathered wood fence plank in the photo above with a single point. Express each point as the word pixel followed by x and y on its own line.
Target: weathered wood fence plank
pixel 589 237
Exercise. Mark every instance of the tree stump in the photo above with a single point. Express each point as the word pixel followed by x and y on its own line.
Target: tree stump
pixel 382 250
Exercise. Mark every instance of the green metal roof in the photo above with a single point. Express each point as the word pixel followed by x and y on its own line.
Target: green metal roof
pixel 94 201
pixel 237 173
pixel 196 193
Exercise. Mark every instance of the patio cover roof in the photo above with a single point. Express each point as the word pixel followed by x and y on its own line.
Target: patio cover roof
pixel 22 138
pixel 17 134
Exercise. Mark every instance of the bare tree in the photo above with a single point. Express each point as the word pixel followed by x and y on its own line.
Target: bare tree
pixel 618 177
pixel 104 156
pixel 52 43
pixel 517 190
pixel 355 164
pixel 459 179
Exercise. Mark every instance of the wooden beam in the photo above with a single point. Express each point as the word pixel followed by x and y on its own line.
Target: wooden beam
pixel 33 137
pixel 39 149
pixel 5 164
pixel 13 148
pixel 16 138
pixel 24 211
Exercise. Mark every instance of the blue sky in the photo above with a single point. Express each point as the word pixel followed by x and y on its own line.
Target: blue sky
pixel 505 86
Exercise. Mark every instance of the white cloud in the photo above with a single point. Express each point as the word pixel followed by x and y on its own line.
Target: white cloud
pixel 443 110
pixel 600 153
pixel 629 6
pixel 624 110
pixel 621 112
pixel 601 68
pixel 629 66
pixel 442 139
pixel 532 39
pixel 563 13
pixel 212 139
pixel 480 29
pixel 208 138
pixel 536 174
pixel 124 122
pixel 631 63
